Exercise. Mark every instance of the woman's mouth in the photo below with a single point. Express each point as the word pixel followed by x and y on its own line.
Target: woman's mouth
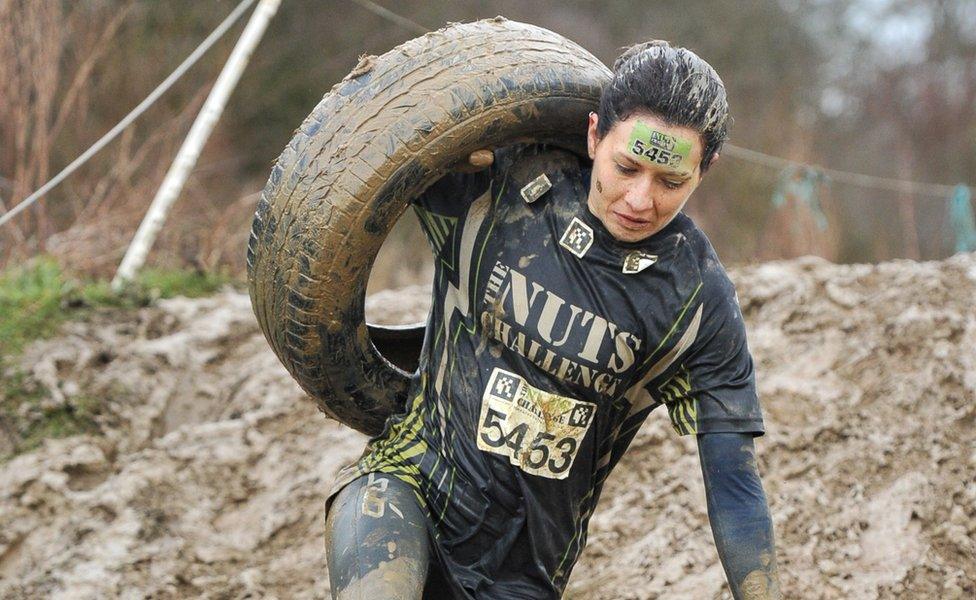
pixel 631 222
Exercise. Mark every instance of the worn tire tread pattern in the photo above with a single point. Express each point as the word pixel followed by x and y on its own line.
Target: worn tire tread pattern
pixel 376 140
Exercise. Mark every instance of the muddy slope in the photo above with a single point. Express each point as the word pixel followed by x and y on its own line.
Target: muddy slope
pixel 210 472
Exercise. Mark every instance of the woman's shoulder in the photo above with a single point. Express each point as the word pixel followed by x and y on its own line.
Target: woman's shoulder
pixel 535 176
pixel 521 164
pixel 714 277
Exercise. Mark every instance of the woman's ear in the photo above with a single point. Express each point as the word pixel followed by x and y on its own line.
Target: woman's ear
pixel 704 169
pixel 592 135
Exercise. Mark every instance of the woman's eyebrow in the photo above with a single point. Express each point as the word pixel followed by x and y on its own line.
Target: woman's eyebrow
pixel 623 157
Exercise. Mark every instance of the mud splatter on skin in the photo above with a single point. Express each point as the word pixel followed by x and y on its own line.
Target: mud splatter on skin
pixel 394 579
pixel 382 554
pixel 754 586
pixel 762 584
pixel 758 585
pixel 599 186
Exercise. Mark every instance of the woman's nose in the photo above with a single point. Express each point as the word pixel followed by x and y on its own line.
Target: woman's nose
pixel 639 197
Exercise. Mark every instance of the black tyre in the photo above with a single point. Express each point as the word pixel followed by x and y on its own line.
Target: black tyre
pixel 392 127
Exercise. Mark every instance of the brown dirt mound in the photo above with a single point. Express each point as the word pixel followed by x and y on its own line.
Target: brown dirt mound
pixel 209 473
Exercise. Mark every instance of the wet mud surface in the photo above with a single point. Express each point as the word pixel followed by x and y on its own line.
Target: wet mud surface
pixel 209 471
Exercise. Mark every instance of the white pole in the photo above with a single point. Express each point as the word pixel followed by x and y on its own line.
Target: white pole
pixel 189 152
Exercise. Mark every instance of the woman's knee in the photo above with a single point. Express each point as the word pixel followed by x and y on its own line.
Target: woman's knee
pixel 376 540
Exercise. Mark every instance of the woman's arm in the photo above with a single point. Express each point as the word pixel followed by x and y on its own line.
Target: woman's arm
pixel 739 515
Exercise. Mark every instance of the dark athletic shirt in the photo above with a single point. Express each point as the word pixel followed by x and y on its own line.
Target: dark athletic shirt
pixel 542 358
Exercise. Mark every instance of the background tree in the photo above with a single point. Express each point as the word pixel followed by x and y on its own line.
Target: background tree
pixel 885 87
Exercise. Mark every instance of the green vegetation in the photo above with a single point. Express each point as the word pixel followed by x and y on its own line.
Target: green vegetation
pixel 34 301
pixel 37 298
pixel 27 419
pixel 30 303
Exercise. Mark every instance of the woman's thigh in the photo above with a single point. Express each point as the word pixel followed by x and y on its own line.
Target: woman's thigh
pixel 376 541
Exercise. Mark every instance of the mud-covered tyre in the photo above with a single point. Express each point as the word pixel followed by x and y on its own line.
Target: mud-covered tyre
pixel 392 127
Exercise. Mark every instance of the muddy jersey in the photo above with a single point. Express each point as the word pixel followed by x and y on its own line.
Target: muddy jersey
pixel 548 344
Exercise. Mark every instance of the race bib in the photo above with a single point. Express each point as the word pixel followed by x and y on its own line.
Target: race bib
pixel 659 148
pixel 539 432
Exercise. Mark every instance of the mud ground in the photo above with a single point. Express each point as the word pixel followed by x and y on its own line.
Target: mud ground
pixel 208 475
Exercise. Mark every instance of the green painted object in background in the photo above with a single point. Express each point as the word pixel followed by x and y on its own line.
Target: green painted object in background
pixel 963 220
pixel 802 183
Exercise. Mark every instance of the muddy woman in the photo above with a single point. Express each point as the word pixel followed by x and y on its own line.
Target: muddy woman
pixel 571 298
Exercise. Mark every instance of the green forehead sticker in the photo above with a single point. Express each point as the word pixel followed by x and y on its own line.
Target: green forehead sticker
pixel 658 147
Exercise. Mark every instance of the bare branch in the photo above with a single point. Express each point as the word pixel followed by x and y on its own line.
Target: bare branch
pixel 85 68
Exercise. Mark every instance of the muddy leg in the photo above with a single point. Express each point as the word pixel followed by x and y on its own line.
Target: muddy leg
pixel 376 541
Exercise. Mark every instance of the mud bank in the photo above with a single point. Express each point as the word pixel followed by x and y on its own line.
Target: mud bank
pixel 209 471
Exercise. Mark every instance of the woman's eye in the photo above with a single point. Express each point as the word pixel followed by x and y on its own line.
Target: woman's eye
pixel 672 185
pixel 624 170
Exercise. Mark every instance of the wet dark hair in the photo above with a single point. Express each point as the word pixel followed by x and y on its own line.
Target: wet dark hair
pixel 673 84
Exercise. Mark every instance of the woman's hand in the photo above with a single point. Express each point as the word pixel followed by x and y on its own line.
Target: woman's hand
pixel 478 160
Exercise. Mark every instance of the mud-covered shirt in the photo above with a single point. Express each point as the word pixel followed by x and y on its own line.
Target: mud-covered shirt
pixel 548 344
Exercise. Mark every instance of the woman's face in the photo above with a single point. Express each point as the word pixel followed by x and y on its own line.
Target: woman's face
pixel 643 173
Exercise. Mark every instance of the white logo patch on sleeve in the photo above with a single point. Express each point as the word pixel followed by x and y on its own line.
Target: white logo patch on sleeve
pixel 539 432
pixel 577 238
pixel 534 189
pixel 637 261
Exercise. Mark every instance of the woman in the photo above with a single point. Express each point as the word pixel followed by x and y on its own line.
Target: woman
pixel 570 300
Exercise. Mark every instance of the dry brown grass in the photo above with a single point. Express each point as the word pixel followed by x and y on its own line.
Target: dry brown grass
pixel 56 63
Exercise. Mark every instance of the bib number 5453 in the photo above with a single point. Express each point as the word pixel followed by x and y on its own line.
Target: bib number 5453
pixel 539 432
pixel 535 454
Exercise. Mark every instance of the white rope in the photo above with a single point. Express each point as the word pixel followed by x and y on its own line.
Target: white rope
pixel 136 112
pixel 391 16
pixel 858 179
pixel 753 156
